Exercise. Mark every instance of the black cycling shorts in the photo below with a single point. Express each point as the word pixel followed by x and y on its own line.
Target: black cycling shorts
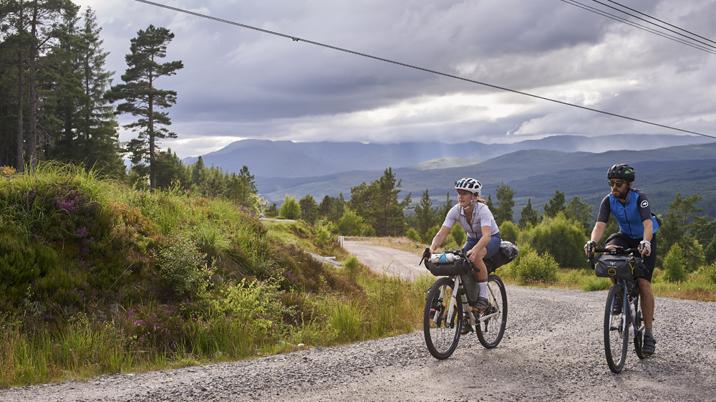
pixel 645 270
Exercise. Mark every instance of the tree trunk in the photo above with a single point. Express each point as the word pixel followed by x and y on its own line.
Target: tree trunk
pixel 32 87
pixel 150 127
pixel 20 137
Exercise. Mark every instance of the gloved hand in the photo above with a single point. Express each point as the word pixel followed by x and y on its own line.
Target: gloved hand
pixel 589 247
pixel 644 247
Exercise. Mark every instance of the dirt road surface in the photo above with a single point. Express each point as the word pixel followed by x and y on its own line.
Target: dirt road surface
pixel 552 350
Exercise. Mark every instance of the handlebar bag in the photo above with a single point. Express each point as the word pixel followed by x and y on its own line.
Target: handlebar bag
pixel 457 267
pixel 614 266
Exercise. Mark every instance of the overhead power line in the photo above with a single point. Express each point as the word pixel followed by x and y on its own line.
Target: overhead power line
pixel 663 22
pixel 655 24
pixel 638 25
pixel 415 67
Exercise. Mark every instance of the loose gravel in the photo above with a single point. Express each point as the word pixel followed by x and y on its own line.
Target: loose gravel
pixel 552 349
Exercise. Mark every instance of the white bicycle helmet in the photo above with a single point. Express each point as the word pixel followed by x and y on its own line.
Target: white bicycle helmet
pixel 469 184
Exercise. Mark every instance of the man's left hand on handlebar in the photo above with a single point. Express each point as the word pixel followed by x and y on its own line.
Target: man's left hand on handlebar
pixel 589 248
pixel 644 247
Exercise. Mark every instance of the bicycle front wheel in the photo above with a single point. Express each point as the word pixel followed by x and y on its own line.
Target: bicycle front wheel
pixel 492 322
pixel 616 328
pixel 442 333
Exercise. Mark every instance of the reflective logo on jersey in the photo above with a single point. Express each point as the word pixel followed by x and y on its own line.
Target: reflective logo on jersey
pixel 644 204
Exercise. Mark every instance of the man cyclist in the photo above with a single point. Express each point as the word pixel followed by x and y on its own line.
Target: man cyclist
pixel 637 228
pixel 483 237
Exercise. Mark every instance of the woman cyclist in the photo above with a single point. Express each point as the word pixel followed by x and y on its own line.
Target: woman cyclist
pixel 483 236
pixel 637 229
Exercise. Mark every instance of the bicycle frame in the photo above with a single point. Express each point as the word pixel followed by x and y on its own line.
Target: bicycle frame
pixel 453 303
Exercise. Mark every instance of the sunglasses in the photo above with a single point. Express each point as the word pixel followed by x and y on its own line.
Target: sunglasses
pixel 615 183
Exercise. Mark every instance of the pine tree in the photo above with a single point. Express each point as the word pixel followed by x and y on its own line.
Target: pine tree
pixel 555 205
pixel 424 215
pixel 579 211
pixel 144 100
pixel 529 215
pixel 89 127
pixel 309 208
pixel 505 203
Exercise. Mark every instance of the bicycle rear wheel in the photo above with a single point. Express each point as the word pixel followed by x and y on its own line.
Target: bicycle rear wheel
pixel 639 332
pixel 616 329
pixel 491 330
pixel 442 333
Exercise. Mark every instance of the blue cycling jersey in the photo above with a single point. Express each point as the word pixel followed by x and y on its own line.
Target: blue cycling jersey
pixel 630 214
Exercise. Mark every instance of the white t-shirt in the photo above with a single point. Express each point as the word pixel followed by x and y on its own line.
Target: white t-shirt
pixel 481 216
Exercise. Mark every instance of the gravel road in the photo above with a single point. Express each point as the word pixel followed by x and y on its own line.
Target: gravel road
pixel 552 350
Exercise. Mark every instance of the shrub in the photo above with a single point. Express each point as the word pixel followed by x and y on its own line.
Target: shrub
pixel 694 256
pixel 709 272
pixel 324 234
pixel 561 238
pixel 352 224
pixel 290 209
pixel 256 303
pixel 21 265
pixel 509 231
pixel 674 264
pixel 533 267
pixel 413 235
pixel 183 268
pixel 352 266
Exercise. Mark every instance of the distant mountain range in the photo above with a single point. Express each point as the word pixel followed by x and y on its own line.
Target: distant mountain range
pixel 575 165
pixel 536 174
pixel 309 159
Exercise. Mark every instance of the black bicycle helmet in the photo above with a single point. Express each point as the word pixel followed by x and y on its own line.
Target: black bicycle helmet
pixel 621 171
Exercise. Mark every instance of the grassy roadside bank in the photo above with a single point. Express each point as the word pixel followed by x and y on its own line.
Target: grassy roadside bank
pixel 98 278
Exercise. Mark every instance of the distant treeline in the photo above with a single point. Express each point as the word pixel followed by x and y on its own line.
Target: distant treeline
pixel 560 229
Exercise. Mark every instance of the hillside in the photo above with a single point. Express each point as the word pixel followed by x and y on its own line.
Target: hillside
pixel 99 278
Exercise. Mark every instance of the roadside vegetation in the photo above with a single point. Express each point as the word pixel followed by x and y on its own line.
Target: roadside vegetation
pixel 100 278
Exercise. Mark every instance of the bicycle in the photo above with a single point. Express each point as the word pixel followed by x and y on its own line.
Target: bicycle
pixel 443 315
pixel 620 264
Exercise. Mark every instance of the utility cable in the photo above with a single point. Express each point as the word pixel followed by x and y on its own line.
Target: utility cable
pixel 662 21
pixel 344 50
pixel 637 25
pixel 655 24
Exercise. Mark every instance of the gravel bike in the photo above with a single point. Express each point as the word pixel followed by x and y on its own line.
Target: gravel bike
pixel 622 309
pixel 447 307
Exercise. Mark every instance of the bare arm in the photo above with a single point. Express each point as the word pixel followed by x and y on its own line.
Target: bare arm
pixel 648 229
pixel 439 238
pixel 598 231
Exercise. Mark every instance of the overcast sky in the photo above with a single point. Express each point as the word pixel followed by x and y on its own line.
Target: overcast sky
pixel 239 83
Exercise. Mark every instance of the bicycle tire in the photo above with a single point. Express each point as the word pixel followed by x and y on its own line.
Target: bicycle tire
pixel 623 323
pixel 441 338
pixel 638 335
pixel 485 329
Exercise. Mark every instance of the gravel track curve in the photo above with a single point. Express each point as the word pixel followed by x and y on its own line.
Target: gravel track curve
pixel 552 350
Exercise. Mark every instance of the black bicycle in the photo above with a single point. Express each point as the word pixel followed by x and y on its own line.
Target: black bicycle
pixel 447 307
pixel 622 309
